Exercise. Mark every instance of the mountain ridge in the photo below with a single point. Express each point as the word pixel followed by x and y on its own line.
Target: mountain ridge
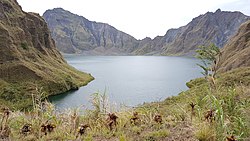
pixel 29 60
pixel 96 38
pixel 92 34
pixel 203 30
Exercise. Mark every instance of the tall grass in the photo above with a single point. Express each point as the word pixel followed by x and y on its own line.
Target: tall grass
pixel 230 106
pixel 229 117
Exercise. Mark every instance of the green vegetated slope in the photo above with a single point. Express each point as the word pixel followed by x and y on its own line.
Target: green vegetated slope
pixel 211 110
pixel 236 52
pixel 76 34
pixel 29 59
pixel 226 97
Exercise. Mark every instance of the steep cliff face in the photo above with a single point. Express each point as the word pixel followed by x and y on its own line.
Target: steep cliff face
pixel 154 46
pixel 76 34
pixel 29 58
pixel 236 53
pixel 205 29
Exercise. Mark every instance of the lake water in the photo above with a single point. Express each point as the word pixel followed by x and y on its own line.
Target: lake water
pixel 129 80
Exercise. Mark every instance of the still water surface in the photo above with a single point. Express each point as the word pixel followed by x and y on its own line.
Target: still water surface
pixel 129 80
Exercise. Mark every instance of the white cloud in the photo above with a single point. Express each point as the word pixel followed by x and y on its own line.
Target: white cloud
pixel 139 18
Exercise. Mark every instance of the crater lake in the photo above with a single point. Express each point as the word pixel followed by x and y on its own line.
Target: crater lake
pixel 129 80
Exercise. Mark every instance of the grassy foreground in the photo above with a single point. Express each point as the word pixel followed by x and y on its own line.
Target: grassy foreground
pixel 206 112
pixel 17 87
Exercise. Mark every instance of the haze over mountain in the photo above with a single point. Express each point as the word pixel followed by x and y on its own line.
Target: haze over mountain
pixel 76 34
pixel 29 59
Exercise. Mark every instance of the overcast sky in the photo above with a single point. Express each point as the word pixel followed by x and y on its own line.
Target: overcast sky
pixel 139 18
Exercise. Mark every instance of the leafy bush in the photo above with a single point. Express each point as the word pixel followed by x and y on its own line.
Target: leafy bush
pixel 208 56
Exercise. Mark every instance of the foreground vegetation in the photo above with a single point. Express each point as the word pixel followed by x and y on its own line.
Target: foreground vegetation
pixel 205 112
pixel 215 108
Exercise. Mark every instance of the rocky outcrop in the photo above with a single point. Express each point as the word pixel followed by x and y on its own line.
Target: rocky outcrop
pixel 205 29
pixel 29 59
pixel 76 34
pixel 236 53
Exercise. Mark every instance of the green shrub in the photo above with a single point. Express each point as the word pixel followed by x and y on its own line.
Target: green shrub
pixel 24 45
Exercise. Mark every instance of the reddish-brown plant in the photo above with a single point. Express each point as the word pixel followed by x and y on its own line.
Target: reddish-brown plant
pixel 209 116
pixel 82 129
pixel 112 120
pixel 192 110
pixel 26 129
pixel 158 118
pixel 231 138
pixel 135 118
pixel 47 128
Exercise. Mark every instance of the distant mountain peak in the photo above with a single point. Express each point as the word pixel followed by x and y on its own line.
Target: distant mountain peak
pixel 76 34
pixel 218 10
pixel 205 29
